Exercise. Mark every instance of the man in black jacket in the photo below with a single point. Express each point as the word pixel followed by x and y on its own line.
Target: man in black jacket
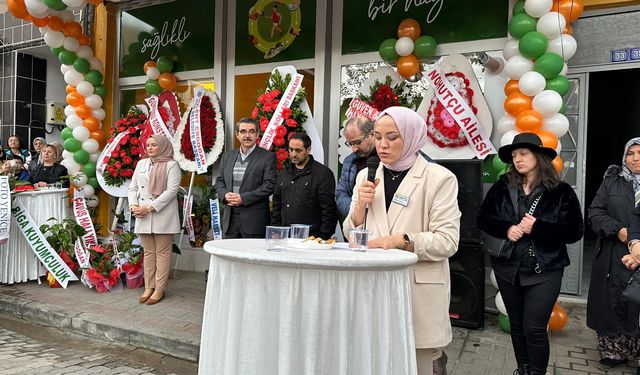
pixel 305 191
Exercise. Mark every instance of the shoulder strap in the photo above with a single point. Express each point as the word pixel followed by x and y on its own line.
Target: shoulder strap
pixel 534 204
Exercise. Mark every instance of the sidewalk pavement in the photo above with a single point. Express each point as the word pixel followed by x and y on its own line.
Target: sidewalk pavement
pixel 173 326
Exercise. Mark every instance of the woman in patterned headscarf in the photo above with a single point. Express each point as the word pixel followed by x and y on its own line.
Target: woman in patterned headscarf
pixel 613 318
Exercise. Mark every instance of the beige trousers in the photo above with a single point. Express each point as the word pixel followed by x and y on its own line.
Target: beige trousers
pixel 157 260
pixel 425 358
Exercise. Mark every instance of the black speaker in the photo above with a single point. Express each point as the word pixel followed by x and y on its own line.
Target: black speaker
pixel 469 174
pixel 467 287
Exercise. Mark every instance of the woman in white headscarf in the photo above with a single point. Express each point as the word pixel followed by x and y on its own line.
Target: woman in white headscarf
pixel 613 318
pixel 413 205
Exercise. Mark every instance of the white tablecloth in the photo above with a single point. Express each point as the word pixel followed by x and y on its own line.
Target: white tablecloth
pixel 18 263
pixel 306 311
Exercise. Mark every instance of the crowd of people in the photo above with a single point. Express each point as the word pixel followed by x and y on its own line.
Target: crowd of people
pixel 40 167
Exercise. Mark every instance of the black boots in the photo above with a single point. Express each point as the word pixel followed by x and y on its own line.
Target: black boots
pixel 521 370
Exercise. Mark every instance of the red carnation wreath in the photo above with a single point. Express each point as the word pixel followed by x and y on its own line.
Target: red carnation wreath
pixel 169 113
pixel 125 156
pixel 384 95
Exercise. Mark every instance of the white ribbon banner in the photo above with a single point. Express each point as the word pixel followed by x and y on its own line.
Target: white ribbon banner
pixel 155 120
pixel 83 217
pixel 81 255
pixel 215 219
pixel 127 225
pixel 188 205
pixel 457 106
pixel 285 102
pixel 5 209
pixel 359 107
pixel 51 260
pixel 102 163
pixel 196 135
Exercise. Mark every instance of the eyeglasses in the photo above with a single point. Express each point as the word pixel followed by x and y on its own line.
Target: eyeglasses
pixel 355 143
pixel 245 132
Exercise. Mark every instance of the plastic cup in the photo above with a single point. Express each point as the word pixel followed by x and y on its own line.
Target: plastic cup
pixel 358 239
pixel 299 232
pixel 276 238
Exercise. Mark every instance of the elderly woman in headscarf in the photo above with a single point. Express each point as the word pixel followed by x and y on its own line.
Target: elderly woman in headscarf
pixel 614 319
pixel 413 206
pixel 152 200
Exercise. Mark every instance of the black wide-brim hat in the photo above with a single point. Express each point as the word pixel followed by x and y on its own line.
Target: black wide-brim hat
pixel 525 140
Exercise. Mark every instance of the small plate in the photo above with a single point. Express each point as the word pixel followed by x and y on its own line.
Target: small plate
pixel 310 245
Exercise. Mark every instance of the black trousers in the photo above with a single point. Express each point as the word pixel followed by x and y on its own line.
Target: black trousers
pixel 529 308
pixel 235 230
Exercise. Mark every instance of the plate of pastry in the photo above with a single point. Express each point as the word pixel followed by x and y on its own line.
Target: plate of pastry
pixel 312 243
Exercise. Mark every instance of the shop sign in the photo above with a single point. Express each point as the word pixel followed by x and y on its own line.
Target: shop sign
pixel 367 23
pixel 173 29
pixel 620 55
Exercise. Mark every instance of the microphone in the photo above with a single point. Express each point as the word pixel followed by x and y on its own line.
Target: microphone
pixel 372 166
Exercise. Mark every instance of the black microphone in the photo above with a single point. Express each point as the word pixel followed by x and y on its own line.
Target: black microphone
pixel 372 166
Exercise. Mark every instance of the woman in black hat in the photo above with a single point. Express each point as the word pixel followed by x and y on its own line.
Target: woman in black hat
pixel 539 214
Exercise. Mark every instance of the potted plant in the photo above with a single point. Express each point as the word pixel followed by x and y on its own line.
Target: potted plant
pixel 200 212
pixel 62 236
pixel 130 257
pixel 103 274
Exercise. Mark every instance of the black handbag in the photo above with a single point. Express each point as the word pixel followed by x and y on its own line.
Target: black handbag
pixel 632 291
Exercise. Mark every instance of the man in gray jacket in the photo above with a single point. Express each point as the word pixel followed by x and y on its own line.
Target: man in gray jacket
pixel 247 178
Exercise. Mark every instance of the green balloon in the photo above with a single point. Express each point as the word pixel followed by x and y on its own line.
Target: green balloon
pixel 503 322
pixel 549 65
pixel 94 77
pixel 67 57
pixel 533 44
pixel 518 8
pixel 152 86
pixel 100 91
pixel 424 47
pixel 72 144
pixel 164 64
pixel 56 51
pixel 498 164
pixel 559 84
pixel 82 65
pixel 563 109
pixel 89 169
pixel 387 50
pixel 81 156
pixel 55 4
pixel 66 133
pixel 93 182
pixel 488 172
pixel 500 173
pixel 521 24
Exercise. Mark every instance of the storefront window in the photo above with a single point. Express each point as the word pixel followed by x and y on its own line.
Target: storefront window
pixel 183 91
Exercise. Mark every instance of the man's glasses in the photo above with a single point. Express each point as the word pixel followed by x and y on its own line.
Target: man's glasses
pixel 355 143
pixel 245 132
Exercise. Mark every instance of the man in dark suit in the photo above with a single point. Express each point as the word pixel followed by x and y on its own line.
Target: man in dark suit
pixel 247 178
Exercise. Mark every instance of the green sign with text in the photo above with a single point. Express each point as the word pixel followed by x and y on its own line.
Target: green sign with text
pixel 366 23
pixel 182 30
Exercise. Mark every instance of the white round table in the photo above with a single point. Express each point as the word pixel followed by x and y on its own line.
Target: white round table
pixel 18 262
pixel 306 311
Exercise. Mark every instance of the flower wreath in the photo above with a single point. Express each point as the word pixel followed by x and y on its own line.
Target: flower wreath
pixel 442 128
pixel 211 130
pixel 125 156
pixel 169 113
pixel 384 95
pixel 294 116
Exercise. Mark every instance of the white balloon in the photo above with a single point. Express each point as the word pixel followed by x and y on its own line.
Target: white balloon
pixel 65 68
pixel 499 303
pixel 507 138
pixel 506 123
pixel 54 39
pixel 73 78
pixel 44 30
pixel 547 103
pixel 96 64
pixel 85 52
pixel 73 121
pixel 559 147
pixel 36 8
pixel 537 8
pixel 94 157
pixel 69 110
pixel 565 45
pixel 67 155
pixel 71 44
pixel 84 88
pixel 404 46
pixel 510 49
pixel 79 179
pixel 558 124
pixel 99 114
pixel 81 133
pixel 72 166
pixel 492 278
pixel 551 24
pixel 92 201
pixel 517 66
pixel 93 101
pixel 565 69
pixel 153 72
pixel 91 146
pixel 88 191
pixel 532 83
pixel 73 3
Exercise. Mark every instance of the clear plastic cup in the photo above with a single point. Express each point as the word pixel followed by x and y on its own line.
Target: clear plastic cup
pixel 276 238
pixel 358 239
pixel 299 232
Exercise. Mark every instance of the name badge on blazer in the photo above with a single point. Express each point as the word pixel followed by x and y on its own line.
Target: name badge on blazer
pixel 400 199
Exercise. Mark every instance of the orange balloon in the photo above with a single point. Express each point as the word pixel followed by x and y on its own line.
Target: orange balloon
pixel 511 86
pixel 75 99
pixel 529 121
pixel 516 103
pixel 570 9
pixel 84 40
pixel 56 23
pixel 149 64
pixel 409 27
pixel 70 89
pixel 548 139
pixel 40 22
pixel 558 318
pixel 558 164
pixel 17 8
pixel 91 123
pixel 95 2
pixel 568 30
pixel 167 81
pixel 83 111
pixel 72 28
pixel 408 65
pixel 99 135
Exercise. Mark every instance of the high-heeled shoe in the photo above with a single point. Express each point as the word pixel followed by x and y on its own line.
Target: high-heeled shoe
pixel 144 298
pixel 153 301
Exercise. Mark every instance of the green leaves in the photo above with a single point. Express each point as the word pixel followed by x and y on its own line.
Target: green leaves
pixel 63 235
